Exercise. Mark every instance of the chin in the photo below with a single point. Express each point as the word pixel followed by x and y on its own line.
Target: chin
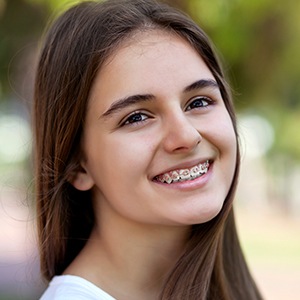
pixel 205 216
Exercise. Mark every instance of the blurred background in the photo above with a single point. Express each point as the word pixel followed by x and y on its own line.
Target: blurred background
pixel 259 45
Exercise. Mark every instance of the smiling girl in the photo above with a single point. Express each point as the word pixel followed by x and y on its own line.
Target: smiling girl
pixel 136 158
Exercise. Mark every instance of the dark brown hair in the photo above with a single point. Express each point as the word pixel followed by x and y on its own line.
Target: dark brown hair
pixel 75 48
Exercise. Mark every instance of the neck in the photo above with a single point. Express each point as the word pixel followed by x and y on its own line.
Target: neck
pixel 137 257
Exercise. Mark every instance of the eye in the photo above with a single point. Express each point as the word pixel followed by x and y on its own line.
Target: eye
pixel 199 102
pixel 134 118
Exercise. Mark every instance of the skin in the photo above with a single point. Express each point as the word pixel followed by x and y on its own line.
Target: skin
pixel 179 121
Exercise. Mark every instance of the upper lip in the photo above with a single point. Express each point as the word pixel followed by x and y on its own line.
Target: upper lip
pixel 185 165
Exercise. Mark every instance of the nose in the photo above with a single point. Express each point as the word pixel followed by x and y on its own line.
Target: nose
pixel 180 134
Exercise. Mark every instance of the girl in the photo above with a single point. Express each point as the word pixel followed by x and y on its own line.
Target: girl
pixel 137 158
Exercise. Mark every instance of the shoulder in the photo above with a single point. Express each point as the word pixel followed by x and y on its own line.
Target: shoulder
pixel 73 287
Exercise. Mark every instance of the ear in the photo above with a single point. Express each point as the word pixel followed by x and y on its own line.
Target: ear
pixel 81 179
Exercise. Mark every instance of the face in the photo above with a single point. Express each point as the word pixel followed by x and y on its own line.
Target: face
pixel 159 146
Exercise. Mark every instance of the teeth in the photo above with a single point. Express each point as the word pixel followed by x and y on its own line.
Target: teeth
pixel 167 178
pixel 175 176
pixel 184 174
pixel 195 171
pixel 204 166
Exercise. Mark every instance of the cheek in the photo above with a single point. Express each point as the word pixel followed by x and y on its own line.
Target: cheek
pixel 228 139
pixel 222 135
pixel 127 154
pixel 228 148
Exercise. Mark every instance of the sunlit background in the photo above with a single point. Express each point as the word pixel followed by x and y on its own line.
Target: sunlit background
pixel 259 45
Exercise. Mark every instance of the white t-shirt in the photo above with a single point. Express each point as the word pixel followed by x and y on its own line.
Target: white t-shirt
pixel 66 287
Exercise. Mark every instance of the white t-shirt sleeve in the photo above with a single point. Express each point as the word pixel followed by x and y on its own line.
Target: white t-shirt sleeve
pixel 73 287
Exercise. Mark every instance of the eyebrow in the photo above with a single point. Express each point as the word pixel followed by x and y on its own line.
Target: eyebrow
pixel 127 101
pixel 201 84
pixel 140 98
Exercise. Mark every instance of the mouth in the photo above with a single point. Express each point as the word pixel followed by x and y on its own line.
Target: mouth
pixel 181 175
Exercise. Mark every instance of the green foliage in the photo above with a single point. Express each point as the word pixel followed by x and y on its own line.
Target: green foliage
pixel 55 5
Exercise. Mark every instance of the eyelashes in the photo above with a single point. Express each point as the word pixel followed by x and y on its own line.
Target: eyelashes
pixel 199 102
pixel 135 118
pixel 140 117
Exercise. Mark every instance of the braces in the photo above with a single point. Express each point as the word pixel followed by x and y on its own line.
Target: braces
pixel 185 174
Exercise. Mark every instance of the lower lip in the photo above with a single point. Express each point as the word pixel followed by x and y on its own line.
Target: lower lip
pixel 193 184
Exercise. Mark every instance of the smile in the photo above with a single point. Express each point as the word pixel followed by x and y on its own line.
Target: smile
pixel 184 174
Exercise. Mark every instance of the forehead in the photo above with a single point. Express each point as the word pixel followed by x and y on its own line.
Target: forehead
pixel 147 51
pixel 149 42
pixel 149 62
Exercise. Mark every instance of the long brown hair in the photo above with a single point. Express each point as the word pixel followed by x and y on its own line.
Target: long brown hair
pixel 75 48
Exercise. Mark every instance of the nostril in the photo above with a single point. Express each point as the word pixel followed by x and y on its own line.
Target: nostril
pixel 181 135
pixel 186 143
